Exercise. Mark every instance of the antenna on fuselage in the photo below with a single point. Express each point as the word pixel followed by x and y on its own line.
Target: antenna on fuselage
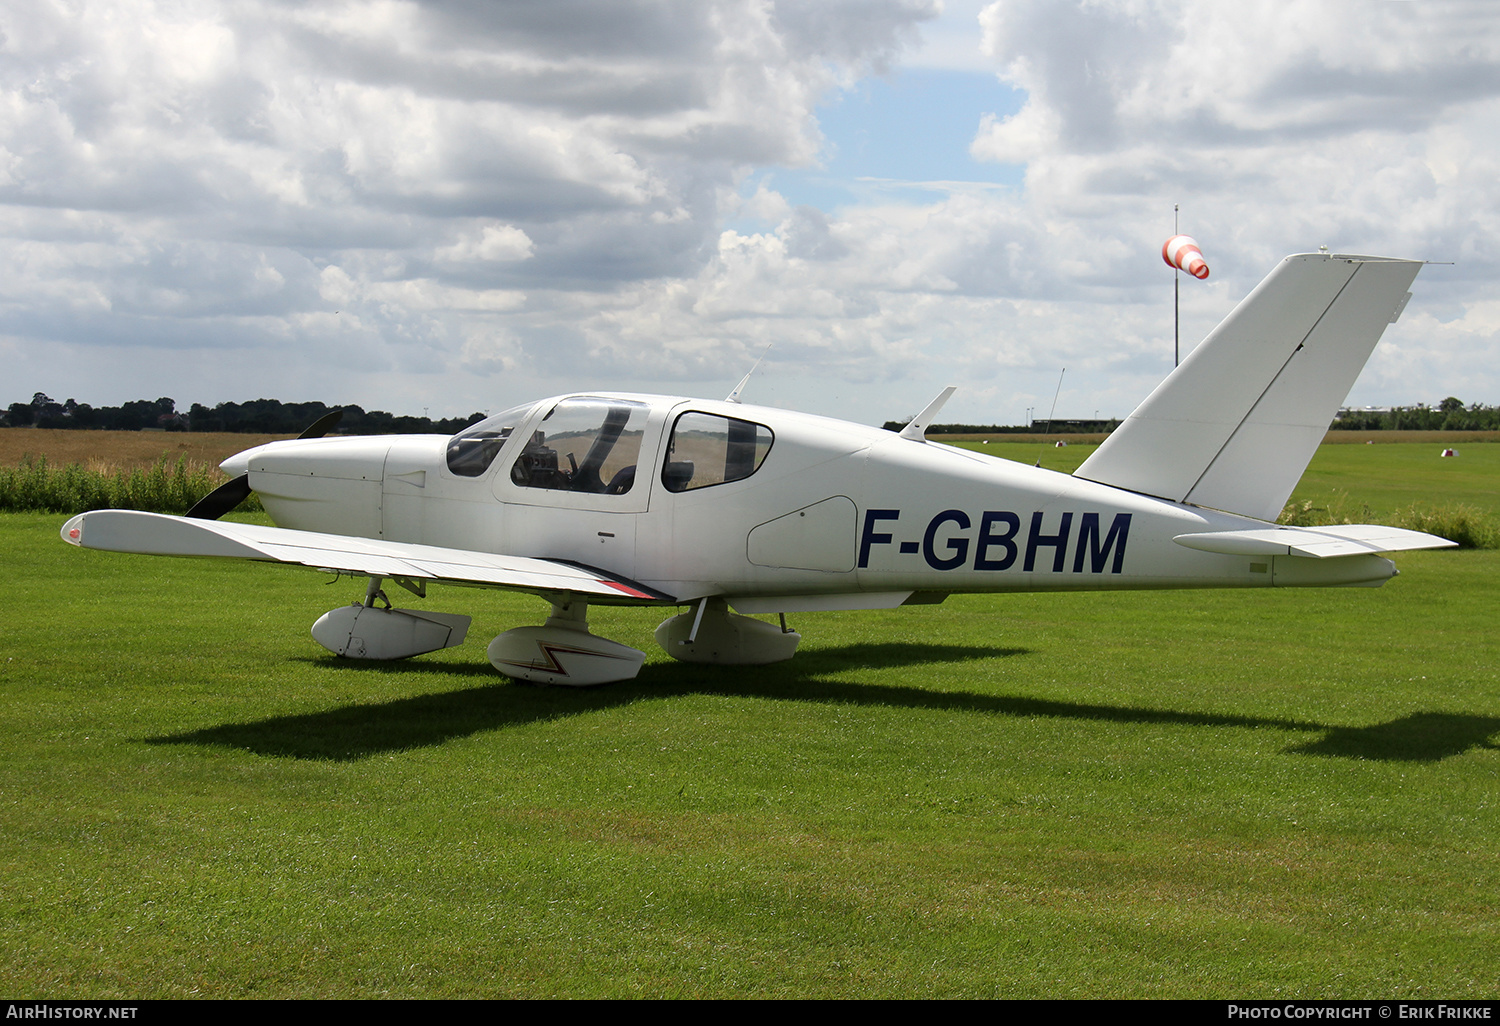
pixel 734 394
pixel 916 428
pixel 1049 416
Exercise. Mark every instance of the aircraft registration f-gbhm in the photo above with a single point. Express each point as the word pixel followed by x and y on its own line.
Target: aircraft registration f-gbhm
pixel 731 511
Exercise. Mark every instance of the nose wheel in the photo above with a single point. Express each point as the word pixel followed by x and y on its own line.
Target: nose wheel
pixel 562 651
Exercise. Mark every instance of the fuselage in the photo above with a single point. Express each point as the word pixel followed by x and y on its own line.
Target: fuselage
pixel 774 510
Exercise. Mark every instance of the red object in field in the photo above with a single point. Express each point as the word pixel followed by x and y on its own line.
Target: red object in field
pixel 1182 252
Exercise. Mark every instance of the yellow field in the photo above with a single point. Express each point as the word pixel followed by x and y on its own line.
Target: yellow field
pixel 122 450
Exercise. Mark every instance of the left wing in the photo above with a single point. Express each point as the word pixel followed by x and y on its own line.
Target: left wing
pixel 118 530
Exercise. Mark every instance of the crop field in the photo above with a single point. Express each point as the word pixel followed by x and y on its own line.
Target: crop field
pixel 122 450
pixel 1288 793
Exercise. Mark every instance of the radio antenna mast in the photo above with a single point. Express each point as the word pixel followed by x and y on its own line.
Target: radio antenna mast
pixel 1049 417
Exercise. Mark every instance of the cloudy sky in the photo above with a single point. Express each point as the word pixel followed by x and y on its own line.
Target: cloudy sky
pixel 454 205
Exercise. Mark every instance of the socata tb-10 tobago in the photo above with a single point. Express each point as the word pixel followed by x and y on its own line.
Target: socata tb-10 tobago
pixel 653 500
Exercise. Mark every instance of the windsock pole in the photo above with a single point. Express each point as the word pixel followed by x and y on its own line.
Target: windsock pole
pixel 1181 253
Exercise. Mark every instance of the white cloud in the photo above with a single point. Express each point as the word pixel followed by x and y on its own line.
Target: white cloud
pixel 500 243
pixel 488 352
pixel 408 169
pixel 443 199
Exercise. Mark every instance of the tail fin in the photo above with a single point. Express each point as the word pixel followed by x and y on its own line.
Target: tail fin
pixel 1235 425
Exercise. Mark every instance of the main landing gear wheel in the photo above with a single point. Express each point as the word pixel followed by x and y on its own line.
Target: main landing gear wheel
pixel 712 634
pixel 365 630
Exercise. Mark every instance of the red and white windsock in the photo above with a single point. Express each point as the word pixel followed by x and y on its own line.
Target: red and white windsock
pixel 1182 252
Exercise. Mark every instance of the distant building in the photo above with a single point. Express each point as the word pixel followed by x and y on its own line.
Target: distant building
pixel 1074 427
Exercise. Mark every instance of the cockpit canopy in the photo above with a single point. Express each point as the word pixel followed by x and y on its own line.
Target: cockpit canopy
pixel 593 444
pixel 472 450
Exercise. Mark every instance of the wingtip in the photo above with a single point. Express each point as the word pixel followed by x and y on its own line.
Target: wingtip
pixel 72 531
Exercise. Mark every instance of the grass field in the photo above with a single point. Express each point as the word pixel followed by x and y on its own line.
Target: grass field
pixel 1192 794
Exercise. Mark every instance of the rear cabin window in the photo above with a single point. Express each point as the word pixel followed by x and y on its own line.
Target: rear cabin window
pixel 472 450
pixel 584 445
pixel 708 450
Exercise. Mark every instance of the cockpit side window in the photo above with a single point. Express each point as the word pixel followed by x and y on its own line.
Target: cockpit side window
pixel 584 445
pixel 472 450
pixel 709 450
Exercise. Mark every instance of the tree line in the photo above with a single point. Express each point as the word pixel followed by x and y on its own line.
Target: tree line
pixel 258 416
pixel 273 417
pixel 1036 427
pixel 1449 415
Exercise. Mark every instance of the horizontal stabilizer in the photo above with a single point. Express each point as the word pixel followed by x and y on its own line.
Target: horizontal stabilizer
pixel 1319 542
pixel 119 530
pixel 1235 425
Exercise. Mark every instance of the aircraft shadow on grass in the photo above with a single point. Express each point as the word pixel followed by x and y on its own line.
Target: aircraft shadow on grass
pixel 353 732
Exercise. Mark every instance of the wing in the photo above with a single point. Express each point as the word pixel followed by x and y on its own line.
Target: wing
pixel 118 530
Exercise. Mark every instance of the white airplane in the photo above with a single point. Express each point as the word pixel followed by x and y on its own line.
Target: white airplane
pixel 734 511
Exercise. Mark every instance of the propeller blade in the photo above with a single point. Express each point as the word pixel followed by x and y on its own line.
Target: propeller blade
pixel 323 425
pixel 222 499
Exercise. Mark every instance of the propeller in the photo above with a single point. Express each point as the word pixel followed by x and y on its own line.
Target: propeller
pixel 323 425
pixel 233 492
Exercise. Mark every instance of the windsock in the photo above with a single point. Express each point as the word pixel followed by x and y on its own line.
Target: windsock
pixel 1182 252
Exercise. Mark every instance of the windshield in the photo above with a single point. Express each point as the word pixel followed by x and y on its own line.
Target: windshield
pixel 584 445
pixel 472 450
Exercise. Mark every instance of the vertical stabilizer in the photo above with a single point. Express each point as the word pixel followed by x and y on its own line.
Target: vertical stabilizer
pixel 1234 427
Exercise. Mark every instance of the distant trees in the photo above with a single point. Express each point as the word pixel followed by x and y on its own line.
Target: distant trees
pixel 41 407
pixel 45 412
pixel 272 417
pixel 261 416
pixel 1448 415
pixel 961 429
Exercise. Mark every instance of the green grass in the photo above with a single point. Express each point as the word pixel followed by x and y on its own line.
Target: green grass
pixel 1290 793
pixel 1387 478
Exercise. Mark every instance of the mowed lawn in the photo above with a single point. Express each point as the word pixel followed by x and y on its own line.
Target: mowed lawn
pixel 1152 794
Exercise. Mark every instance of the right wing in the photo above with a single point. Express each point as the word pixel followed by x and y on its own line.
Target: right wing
pixel 119 530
